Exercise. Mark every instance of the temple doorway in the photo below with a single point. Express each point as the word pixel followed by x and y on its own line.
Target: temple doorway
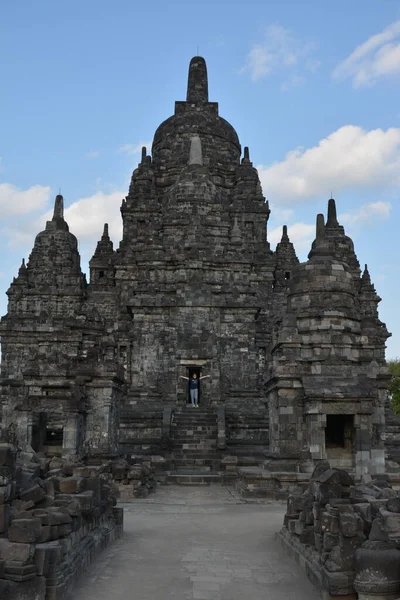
pixel 339 440
pixel 193 370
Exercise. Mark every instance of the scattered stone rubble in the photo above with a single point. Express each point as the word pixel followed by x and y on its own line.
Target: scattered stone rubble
pixel 134 477
pixel 55 517
pixel 346 536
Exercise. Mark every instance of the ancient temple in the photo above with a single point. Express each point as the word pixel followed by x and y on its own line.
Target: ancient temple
pixel 294 352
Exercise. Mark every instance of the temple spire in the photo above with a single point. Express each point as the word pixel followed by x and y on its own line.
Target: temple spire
pixel 196 154
pixel 366 277
pixel 285 237
pixel 320 228
pixel 105 235
pixel 246 156
pixel 58 208
pixel 22 269
pixel 332 215
pixel 197 90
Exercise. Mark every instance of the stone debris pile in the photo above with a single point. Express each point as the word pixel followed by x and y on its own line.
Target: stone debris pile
pixel 55 517
pixel 346 536
pixel 134 477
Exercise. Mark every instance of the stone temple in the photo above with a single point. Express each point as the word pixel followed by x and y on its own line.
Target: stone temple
pixel 295 353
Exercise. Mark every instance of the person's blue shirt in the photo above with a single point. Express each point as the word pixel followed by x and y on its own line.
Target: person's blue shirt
pixel 194 384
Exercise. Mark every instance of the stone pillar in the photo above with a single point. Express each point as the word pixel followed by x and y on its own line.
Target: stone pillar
pixel 71 435
pixel 24 428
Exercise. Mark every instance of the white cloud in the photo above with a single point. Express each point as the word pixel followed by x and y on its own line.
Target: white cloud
pixel 312 64
pixel 279 50
pixel 293 81
pixel 85 217
pixel 348 158
pixel 14 201
pixel 92 154
pixel 259 62
pixel 301 234
pixel 134 149
pixel 377 57
pixel 282 215
pixel 368 213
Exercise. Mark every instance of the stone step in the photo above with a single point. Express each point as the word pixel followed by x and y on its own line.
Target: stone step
pixel 193 462
pixel 192 434
pixel 190 409
pixel 201 453
pixel 200 422
pixel 193 478
pixel 195 446
pixel 194 425
pixel 191 439
pixel 202 429
pixel 188 468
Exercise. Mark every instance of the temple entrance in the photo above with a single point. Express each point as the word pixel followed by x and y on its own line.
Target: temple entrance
pixel 339 440
pixel 192 370
pixel 47 434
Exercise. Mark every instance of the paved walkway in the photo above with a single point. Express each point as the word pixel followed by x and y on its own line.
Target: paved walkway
pixel 197 543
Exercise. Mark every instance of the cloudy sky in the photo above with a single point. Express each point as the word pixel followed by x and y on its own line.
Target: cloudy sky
pixel 312 88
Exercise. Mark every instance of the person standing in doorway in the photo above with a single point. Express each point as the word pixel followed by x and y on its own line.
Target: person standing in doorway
pixel 194 388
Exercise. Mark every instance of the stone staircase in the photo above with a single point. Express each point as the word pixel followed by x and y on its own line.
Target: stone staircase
pixel 194 457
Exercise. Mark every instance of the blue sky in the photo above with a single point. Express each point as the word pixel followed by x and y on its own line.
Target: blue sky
pixel 311 87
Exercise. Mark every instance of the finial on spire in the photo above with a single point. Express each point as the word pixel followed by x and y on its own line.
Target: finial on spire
pixel 22 269
pixel 144 153
pixel 366 277
pixel 196 154
pixel 320 228
pixel 246 156
pixel 285 237
pixel 58 208
pixel 197 89
pixel 105 232
pixel 332 216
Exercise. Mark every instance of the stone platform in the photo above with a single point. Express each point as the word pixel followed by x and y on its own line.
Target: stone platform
pixel 256 482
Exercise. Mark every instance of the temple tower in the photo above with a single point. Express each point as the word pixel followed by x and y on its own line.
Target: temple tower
pixel 193 287
pixel 194 269
pixel 328 377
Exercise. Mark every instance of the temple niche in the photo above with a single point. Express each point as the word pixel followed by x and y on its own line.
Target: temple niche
pixel 294 351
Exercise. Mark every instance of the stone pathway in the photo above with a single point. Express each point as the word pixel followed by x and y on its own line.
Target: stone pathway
pixel 197 543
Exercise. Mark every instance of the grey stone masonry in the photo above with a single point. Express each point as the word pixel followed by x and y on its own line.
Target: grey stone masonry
pixel 328 377
pixel 294 353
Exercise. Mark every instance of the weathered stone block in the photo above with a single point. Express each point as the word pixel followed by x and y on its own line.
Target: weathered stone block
pixel 35 494
pixel 47 557
pixel 11 551
pixel 25 531
pixel 71 485
pixel 393 505
pixel 32 589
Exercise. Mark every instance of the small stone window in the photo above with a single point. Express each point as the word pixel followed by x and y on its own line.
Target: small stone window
pixel 287 275
pixel 101 274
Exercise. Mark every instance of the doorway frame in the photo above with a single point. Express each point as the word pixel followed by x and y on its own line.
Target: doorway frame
pixel 190 371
